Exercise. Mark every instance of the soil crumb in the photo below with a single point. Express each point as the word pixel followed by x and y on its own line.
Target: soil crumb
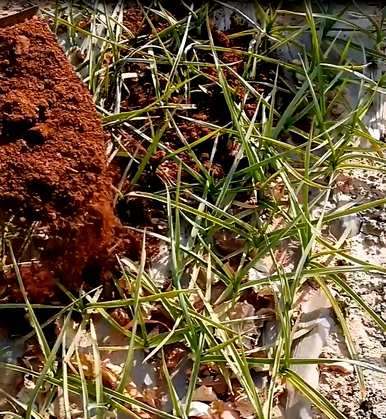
pixel 53 170
pixel 133 20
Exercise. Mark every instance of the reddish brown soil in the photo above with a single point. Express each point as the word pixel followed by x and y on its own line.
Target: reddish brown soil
pixel 133 20
pixel 52 165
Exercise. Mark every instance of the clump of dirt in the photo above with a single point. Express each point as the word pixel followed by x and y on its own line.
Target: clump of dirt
pixel 52 165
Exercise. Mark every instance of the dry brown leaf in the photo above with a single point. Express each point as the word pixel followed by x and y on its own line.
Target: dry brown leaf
pixel 174 355
pixel 244 407
pixel 224 410
pixel 343 368
pixel 247 328
pixel 226 242
pixel 204 394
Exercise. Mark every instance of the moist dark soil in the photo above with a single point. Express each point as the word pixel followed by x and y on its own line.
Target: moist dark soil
pixel 52 165
pixel 208 107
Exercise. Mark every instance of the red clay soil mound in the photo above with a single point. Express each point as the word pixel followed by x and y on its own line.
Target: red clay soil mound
pixel 52 161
